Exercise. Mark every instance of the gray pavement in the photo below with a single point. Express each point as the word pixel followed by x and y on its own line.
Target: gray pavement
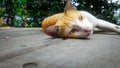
pixel 31 48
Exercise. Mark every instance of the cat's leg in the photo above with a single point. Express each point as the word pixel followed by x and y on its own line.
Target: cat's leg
pixel 107 26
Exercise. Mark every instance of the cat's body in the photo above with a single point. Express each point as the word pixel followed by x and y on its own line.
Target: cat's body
pixel 75 24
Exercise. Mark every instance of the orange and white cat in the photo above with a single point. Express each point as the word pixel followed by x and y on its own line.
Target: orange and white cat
pixel 75 24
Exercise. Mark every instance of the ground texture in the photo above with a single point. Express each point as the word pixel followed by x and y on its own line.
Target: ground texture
pixel 31 48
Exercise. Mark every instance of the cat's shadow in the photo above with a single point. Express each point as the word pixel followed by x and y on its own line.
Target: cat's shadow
pixel 51 38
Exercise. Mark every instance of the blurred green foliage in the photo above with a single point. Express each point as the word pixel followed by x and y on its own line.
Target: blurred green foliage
pixel 39 9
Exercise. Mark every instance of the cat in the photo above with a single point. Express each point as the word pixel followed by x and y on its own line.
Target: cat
pixel 75 24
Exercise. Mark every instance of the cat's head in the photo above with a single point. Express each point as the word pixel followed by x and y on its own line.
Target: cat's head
pixel 72 24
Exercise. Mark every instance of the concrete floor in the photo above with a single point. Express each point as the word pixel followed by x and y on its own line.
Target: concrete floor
pixel 31 48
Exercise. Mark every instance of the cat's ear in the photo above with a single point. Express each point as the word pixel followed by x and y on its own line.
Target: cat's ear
pixel 52 31
pixel 69 6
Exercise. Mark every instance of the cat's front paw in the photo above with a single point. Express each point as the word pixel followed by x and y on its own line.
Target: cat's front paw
pixel 117 29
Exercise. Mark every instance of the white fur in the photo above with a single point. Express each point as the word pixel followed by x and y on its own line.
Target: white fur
pixel 101 24
pixel 91 22
pixel 84 24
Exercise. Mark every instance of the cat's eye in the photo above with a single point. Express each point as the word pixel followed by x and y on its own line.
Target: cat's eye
pixel 80 18
pixel 75 29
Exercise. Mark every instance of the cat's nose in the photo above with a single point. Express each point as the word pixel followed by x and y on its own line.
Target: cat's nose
pixel 87 30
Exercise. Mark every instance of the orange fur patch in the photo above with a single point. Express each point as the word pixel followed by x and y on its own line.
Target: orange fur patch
pixel 51 20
